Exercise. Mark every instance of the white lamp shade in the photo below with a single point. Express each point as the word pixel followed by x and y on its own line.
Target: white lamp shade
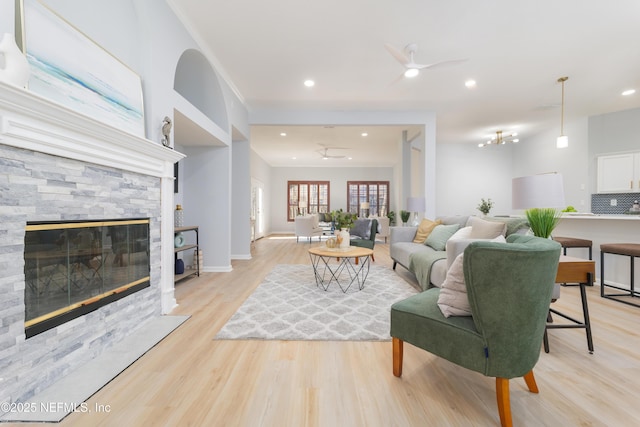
pixel 538 191
pixel 364 205
pixel 302 204
pixel 416 204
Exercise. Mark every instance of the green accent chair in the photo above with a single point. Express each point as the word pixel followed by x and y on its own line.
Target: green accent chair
pixel 371 241
pixel 509 288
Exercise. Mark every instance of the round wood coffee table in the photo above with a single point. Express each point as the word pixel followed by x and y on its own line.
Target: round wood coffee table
pixel 333 265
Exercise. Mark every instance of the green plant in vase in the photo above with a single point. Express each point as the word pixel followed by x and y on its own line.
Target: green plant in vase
pixel 543 220
pixel 343 219
pixel 404 216
pixel 392 217
pixel 485 206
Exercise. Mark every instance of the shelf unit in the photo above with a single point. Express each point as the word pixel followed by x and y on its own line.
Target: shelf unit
pixel 192 271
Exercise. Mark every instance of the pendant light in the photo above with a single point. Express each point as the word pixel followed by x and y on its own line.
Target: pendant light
pixel 563 140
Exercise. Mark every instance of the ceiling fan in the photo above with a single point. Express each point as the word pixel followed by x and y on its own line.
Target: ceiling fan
pixel 325 153
pixel 406 58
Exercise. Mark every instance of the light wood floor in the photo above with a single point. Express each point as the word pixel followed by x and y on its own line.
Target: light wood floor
pixel 190 379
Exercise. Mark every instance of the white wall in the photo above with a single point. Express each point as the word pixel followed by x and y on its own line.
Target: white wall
pixel 538 154
pixel 466 173
pixel 337 177
pixel 261 171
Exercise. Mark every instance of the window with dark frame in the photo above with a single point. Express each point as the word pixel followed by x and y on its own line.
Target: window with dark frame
pixel 307 197
pixel 376 193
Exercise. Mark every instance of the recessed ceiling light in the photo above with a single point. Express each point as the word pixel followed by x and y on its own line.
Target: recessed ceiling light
pixel 309 83
pixel 470 84
pixel 283 134
pixel 349 158
pixel 293 158
pixel 364 134
pixel 628 92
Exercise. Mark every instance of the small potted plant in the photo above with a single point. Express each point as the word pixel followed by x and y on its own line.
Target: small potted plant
pixel 392 217
pixel 404 216
pixel 543 220
pixel 485 206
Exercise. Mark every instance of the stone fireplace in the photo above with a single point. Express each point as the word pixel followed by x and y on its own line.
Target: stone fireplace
pixel 57 166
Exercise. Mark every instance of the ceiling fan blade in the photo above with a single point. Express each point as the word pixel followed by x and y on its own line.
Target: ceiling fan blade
pixel 398 55
pixel 440 64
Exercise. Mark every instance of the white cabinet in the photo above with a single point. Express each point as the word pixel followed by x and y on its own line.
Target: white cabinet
pixel 619 173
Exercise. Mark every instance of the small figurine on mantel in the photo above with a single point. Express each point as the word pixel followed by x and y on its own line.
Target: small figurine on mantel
pixel 166 132
pixel 635 208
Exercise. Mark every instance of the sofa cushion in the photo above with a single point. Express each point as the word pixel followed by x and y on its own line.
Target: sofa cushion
pixel 514 225
pixel 453 300
pixel 481 229
pixel 361 228
pixel 463 233
pixel 424 229
pixel 461 220
pixel 439 236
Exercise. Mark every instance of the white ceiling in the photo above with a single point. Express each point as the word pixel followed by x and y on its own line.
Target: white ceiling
pixel 515 50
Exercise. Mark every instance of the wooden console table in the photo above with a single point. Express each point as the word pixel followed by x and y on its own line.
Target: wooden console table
pixel 583 272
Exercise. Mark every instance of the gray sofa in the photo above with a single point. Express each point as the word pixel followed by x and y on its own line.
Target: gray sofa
pixel 428 265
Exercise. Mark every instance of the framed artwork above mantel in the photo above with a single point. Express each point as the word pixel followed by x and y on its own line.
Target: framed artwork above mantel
pixel 69 68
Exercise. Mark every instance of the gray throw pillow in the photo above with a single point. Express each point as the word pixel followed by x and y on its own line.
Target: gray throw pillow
pixel 361 228
pixel 439 236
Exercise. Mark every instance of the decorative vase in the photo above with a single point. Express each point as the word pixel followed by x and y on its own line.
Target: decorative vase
pixel 16 66
pixel 179 240
pixel 346 242
pixel 178 217
pixel 179 266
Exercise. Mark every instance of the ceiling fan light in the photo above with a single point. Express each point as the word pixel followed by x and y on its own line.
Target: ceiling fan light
pixel 411 72
pixel 562 141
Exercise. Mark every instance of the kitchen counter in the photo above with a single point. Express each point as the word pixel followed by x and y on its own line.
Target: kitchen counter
pixel 602 229
pixel 633 217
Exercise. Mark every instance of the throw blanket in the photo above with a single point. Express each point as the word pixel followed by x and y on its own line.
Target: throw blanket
pixel 420 263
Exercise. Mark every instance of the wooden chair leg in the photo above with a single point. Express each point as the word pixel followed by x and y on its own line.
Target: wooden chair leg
pixel 504 404
pixel 357 259
pixel 373 258
pixel 531 382
pixel 397 356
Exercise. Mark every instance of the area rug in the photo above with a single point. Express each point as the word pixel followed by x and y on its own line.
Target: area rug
pixel 288 305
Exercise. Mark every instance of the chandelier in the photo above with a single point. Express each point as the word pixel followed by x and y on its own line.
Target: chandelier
pixel 501 139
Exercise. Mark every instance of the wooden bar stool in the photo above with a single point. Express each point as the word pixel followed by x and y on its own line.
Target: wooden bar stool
pixel 632 250
pixel 572 242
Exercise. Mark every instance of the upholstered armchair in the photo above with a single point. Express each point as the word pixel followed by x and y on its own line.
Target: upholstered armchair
pixel 307 226
pixel 509 290
pixel 362 239
pixel 383 227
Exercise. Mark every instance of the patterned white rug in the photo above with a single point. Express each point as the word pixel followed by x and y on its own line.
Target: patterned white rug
pixel 288 305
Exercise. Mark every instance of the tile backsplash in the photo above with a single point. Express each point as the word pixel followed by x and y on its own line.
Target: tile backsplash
pixel 601 203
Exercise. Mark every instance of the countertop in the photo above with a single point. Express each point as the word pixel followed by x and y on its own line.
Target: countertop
pixel 579 215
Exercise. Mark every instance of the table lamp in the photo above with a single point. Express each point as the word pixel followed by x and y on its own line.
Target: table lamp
pixel 542 196
pixel 364 209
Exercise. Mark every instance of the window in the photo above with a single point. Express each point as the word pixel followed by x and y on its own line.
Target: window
pixel 376 193
pixel 307 197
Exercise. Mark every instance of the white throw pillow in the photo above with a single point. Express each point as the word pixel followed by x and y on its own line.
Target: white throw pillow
pixel 482 229
pixel 463 233
pixel 453 300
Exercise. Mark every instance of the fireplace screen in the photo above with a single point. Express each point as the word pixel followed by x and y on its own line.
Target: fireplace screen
pixel 73 268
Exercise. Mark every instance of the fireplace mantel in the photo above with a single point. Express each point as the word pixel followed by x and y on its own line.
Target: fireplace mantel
pixel 35 123
pixel 31 122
